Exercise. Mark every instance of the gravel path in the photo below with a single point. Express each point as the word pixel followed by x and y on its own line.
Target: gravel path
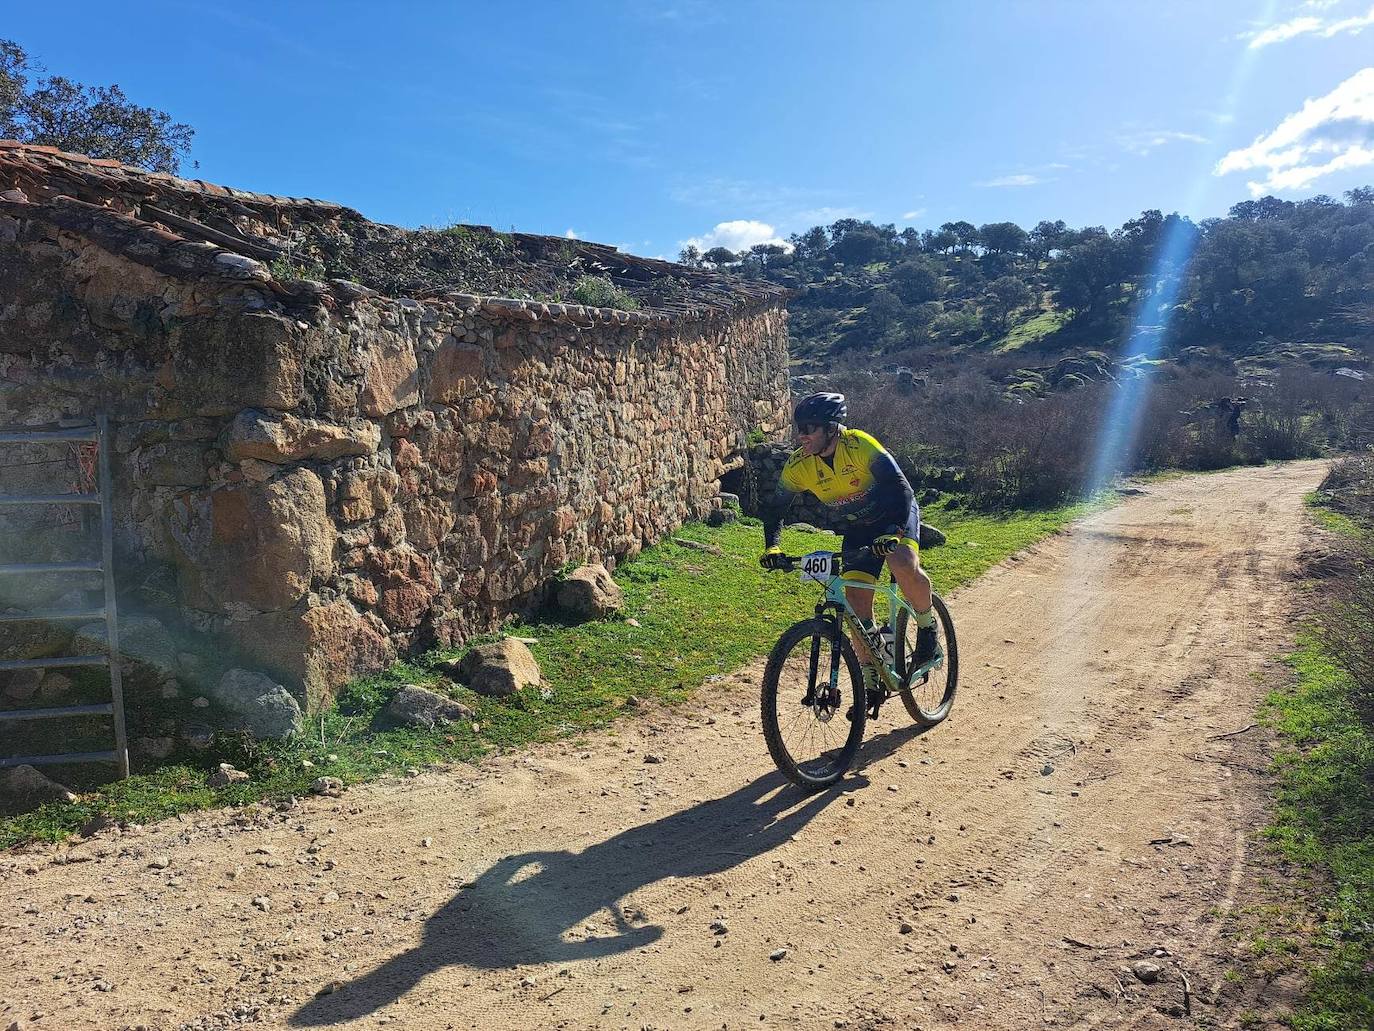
pixel 951 880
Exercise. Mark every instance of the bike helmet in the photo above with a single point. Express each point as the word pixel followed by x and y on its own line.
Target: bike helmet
pixel 820 408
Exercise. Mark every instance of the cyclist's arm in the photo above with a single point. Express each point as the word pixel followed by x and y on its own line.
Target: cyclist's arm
pixel 774 513
pixel 892 495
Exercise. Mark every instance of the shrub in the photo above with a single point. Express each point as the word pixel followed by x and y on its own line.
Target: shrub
pixel 600 292
pixel 1347 629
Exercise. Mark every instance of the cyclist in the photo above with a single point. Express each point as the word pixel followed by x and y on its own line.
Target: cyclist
pixel 854 476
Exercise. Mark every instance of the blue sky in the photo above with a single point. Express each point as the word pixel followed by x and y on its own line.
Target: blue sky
pixel 648 124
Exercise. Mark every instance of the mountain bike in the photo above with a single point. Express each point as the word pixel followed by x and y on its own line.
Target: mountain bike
pixel 813 673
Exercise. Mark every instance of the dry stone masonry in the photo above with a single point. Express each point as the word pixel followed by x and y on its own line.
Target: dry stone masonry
pixel 313 477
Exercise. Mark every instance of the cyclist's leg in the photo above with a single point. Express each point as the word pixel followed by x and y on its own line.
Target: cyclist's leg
pixel 905 564
pixel 861 569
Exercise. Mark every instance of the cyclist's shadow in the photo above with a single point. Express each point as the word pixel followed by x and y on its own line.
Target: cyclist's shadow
pixel 533 907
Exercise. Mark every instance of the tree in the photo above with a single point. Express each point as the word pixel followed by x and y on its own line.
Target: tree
pixel 101 121
pixel 1046 237
pixel 690 256
pixel 916 281
pixel 965 233
pixel 860 245
pixel 1004 296
pixel 1003 238
pixel 810 245
pixel 1086 275
pixel 719 256
pixel 942 241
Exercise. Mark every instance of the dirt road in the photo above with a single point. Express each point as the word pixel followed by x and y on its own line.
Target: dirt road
pixel 1077 812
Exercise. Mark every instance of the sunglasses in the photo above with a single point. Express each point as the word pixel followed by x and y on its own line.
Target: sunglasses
pixel 810 427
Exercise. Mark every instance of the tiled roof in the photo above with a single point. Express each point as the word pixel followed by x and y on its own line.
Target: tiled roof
pixel 348 246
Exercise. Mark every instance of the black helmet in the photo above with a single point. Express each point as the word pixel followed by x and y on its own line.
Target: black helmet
pixel 820 408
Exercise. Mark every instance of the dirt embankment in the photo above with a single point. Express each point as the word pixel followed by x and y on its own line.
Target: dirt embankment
pixel 1081 810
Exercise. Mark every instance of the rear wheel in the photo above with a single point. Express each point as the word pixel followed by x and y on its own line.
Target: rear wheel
pixel 928 696
pixel 804 719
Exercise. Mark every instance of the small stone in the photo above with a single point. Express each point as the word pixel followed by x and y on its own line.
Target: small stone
pixel 905 927
pixel 719 927
pixel 426 842
pixel 892 787
pixel 330 988
pixel 226 775
pixel 953 896
pixel 651 758
pixel 263 903
pixel 306 764
pixel 200 702
pixel 1145 971
pixel 1047 769
pixel 777 954
pixel 159 863
pixel 330 787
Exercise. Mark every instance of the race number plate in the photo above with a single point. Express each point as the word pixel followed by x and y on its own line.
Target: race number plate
pixel 816 566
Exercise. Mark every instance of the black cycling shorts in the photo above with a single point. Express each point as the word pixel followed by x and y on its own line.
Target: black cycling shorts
pixel 868 567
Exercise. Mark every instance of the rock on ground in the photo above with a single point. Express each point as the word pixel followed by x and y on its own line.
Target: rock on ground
pixel 590 593
pixel 28 785
pixel 257 704
pixel 418 706
pixel 499 669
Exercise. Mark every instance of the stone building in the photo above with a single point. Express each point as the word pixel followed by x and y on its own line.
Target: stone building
pixel 337 442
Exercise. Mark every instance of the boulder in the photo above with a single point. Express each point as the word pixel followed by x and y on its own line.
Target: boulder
pixel 499 669
pixel 314 650
pixel 261 544
pixel 417 706
pixel 590 593
pixel 931 537
pixel 721 516
pixel 284 438
pixel 27 785
pixel 256 704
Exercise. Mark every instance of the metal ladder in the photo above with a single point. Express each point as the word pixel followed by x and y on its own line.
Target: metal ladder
pixel 99 435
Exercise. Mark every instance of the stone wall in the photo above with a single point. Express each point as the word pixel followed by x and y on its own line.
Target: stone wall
pixel 312 478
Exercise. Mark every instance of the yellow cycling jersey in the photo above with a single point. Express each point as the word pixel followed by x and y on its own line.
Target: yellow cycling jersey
pixel 845 482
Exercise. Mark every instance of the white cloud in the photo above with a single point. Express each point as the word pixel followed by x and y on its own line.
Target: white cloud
pixel 1330 134
pixel 737 235
pixel 1310 25
pixel 571 234
pixel 1020 179
pixel 915 213
pixel 1143 141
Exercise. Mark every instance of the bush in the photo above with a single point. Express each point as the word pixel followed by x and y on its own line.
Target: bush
pixel 1347 629
pixel 600 292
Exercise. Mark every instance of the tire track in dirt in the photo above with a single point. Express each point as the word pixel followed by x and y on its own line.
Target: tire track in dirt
pixel 950 881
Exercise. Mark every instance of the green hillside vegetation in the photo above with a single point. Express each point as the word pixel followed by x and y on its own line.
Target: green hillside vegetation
pixel 988 357
pixel 1242 288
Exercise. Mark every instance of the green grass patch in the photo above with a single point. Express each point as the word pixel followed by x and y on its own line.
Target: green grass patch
pixel 1325 822
pixel 1329 518
pixel 1032 331
pixel 700 614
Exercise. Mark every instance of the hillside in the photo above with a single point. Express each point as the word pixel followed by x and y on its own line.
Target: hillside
pixel 1274 284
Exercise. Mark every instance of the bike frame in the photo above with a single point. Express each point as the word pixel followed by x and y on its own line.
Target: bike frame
pixel 835 599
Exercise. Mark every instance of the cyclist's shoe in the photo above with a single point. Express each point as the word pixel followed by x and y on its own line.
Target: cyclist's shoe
pixel 925 645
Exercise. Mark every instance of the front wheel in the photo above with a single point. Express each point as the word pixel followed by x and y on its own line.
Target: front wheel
pixel 929 695
pixel 813 730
